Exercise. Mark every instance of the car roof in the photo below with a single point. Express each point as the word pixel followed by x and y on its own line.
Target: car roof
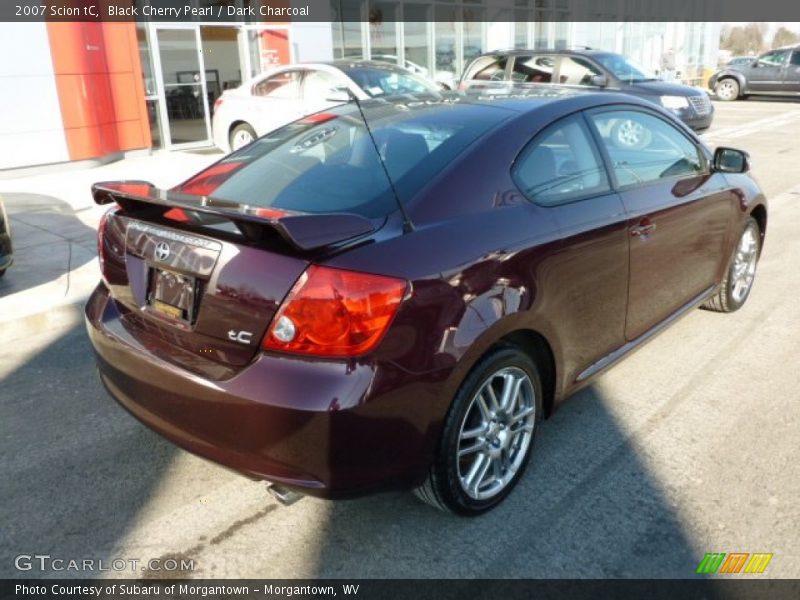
pixel 343 63
pixel 565 51
pixel 520 99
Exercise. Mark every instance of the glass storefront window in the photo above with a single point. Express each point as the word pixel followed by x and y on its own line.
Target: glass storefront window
pixel 445 39
pixel 416 35
pixel 268 48
pixel 150 90
pixel 220 48
pixel 473 33
pixel 541 31
pixel 383 31
pixel 562 31
pixel 347 40
pixel 521 18
pixel 145 59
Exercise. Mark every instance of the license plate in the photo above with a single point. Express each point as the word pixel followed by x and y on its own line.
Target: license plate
pixel 172 294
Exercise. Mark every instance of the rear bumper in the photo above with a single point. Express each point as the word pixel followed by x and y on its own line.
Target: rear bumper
pixel 325 428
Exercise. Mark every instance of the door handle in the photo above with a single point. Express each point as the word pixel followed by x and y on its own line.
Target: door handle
pixel 643 229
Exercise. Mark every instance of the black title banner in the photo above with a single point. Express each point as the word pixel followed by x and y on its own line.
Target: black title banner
pixel 616 589
pixel 177 11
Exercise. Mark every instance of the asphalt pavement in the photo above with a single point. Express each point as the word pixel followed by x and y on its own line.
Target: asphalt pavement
pixel 689 446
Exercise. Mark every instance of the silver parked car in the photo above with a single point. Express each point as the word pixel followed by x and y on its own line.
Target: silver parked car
pixel 288 93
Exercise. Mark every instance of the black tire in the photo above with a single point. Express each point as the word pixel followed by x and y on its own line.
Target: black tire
pixel 727 89
pixel 235 139
pixel 443 488
pixel 728 299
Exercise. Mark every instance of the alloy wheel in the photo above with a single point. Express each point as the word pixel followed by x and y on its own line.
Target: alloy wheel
pixel 743 270
pixel 726 89
pixel 496 433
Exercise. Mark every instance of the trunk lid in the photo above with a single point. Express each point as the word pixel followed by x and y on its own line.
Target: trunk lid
pixel 199 287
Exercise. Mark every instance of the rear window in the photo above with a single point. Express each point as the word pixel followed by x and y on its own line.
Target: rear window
pixel 327 162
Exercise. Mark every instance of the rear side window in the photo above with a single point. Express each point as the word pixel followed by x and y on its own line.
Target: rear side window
pixel 796 58
pixel 328 163
pixel 488 68
pixel 561 164
pixel 644 148
pixel 576 71
pixel 533 69
pixel 318 85
pixel 284 85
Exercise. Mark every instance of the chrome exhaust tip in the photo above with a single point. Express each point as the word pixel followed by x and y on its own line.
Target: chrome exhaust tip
pixel 283 495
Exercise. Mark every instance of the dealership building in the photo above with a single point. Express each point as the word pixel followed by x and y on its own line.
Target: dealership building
pixel 95 91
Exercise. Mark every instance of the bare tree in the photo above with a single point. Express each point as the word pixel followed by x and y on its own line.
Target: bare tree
pixel 748 39
pixel 785 37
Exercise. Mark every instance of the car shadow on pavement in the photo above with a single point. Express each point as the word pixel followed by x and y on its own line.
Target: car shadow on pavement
pixel 49 241
pixel 76 469
pixel 586 507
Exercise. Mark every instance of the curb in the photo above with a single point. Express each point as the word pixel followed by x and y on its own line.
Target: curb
pixel 63 315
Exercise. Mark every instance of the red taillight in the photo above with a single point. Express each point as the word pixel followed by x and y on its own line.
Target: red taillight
pixel 217 104
pixel 317 118
pixel 333 312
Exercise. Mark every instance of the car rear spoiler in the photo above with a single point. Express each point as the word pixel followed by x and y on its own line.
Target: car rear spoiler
pixel 304 231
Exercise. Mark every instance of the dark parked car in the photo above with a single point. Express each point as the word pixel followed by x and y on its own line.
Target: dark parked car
pixel 588 68
pixel 6 252
pixel 279 313
pixel 776 72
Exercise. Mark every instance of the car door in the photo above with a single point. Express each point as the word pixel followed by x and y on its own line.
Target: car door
pixel 679 212
pixel 767 73
pixel 584 283
pixel 791 80
pixel 275 101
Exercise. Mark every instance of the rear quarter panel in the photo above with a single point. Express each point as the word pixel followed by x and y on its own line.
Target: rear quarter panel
pixel 484 262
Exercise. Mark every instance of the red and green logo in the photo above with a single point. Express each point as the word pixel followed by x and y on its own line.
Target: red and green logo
pixel 733 563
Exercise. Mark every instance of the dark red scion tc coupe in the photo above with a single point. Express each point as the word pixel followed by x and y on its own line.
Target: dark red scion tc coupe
pixel 339 310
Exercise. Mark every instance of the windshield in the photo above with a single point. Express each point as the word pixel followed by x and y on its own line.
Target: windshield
pixel 624 68
pixel 328 163
pixel 378 82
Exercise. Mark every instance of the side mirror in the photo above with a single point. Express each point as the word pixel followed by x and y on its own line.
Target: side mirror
pixel 598 80
pixel 340 94
pixel 731 160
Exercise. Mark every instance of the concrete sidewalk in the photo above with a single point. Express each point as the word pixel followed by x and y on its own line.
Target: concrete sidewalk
pixel 53 227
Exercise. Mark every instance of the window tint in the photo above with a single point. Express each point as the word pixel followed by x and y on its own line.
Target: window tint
pixel 561 164
pixel 317 85
pixel 533 69
pixel 327 162
pixel 776 58
pixel 644 148
pixel 796 58
pixel 576 71
pixel 283 85
pixel 489 68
